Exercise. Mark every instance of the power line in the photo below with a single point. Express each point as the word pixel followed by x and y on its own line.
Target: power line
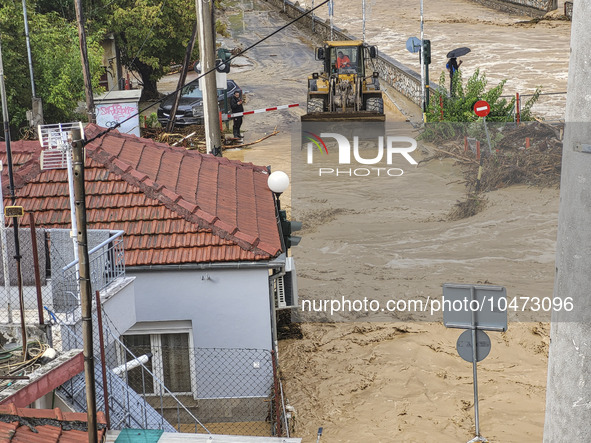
pixel 106 131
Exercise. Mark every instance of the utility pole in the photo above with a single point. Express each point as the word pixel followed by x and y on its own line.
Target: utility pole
pixel 17 250
pixel 84 279
pixel 363 18
pixel 568 391
pixel 37 109
pixel 331 17
pixel 213 133
pixel 85 65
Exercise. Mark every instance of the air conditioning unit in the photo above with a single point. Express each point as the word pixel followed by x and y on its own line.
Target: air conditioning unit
pixel 286 287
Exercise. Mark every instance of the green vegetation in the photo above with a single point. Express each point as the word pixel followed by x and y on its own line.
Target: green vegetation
pixel 56 62
pixel 458 118
pixel 151 35
pixel 459 106
pixel 152 121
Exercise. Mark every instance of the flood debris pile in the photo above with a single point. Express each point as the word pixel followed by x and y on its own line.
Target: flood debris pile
pixel 190 137
pixel 527 154
pixel 530 154
pixel 472 205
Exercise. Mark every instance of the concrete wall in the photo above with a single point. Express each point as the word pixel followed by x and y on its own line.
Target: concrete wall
pixel 404 80
pixel 533 8
pixel 118 301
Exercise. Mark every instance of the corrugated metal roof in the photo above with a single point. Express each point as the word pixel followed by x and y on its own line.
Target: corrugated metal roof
pixel 175 206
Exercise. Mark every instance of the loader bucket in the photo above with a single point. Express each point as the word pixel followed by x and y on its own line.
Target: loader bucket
pixel 343 117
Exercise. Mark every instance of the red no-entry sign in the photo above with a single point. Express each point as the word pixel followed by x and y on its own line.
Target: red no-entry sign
pixel 481 108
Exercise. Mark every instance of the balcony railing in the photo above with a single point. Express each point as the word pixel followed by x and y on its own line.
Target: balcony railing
pixel 107 264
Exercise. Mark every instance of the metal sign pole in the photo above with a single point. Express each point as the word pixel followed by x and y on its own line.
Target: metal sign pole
pixel 474 365
pixel 477 316
pixel 487 135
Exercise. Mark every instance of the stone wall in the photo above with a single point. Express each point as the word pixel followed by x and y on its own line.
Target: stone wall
pixel 533 8
pixel 392 72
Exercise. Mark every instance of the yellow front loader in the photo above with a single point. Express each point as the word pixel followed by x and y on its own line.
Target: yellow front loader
pixel 343 91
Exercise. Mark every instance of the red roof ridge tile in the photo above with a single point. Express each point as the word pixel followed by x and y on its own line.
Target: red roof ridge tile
pixel 170 195
pixel 124 167
pixel 226 227
pixel 186 207
pixel 91 130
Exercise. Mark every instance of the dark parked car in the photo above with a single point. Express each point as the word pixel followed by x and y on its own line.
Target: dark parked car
pixel 190 110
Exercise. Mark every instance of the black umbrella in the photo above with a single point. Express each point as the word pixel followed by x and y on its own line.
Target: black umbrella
pixel 458 52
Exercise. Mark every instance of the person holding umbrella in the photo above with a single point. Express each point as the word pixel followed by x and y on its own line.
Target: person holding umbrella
pixel 453 65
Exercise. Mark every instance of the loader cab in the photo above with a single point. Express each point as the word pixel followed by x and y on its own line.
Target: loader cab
pixel 345 60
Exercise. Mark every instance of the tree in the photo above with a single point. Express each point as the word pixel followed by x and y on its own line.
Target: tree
pixel 56 50
pixel 56 62
pixel 151 35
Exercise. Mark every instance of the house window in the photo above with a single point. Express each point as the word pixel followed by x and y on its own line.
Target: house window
pixel 170 362
pixel 140 380
pixel 176 366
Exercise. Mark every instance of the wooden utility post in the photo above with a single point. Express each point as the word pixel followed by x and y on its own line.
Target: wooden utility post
pixel 85 65
pixel 213 133
pixel 85 289
pixel 182 79
pixel 17 251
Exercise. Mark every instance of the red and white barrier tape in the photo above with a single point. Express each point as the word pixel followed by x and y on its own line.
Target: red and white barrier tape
pixel 258 111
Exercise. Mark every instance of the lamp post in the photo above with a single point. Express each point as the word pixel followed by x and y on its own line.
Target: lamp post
pixel 278 182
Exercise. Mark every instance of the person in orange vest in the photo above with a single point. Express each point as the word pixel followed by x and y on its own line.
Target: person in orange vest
pixel 343 61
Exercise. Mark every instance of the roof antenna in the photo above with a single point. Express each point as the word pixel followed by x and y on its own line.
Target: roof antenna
pixel 56 144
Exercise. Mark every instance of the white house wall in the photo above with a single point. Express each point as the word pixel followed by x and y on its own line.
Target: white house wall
pixel 229 311
pixel 227 308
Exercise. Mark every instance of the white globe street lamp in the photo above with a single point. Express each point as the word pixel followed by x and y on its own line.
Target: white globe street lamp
pixel 278 182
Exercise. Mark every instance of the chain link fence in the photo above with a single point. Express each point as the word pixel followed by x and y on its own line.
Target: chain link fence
pixel 49 272
pixel 143 380
pixel 157 381
pixel 549 106
pixel 33 276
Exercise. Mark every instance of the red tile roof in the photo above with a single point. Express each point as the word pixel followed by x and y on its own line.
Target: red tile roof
pixel 175 206
pixel 23 425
